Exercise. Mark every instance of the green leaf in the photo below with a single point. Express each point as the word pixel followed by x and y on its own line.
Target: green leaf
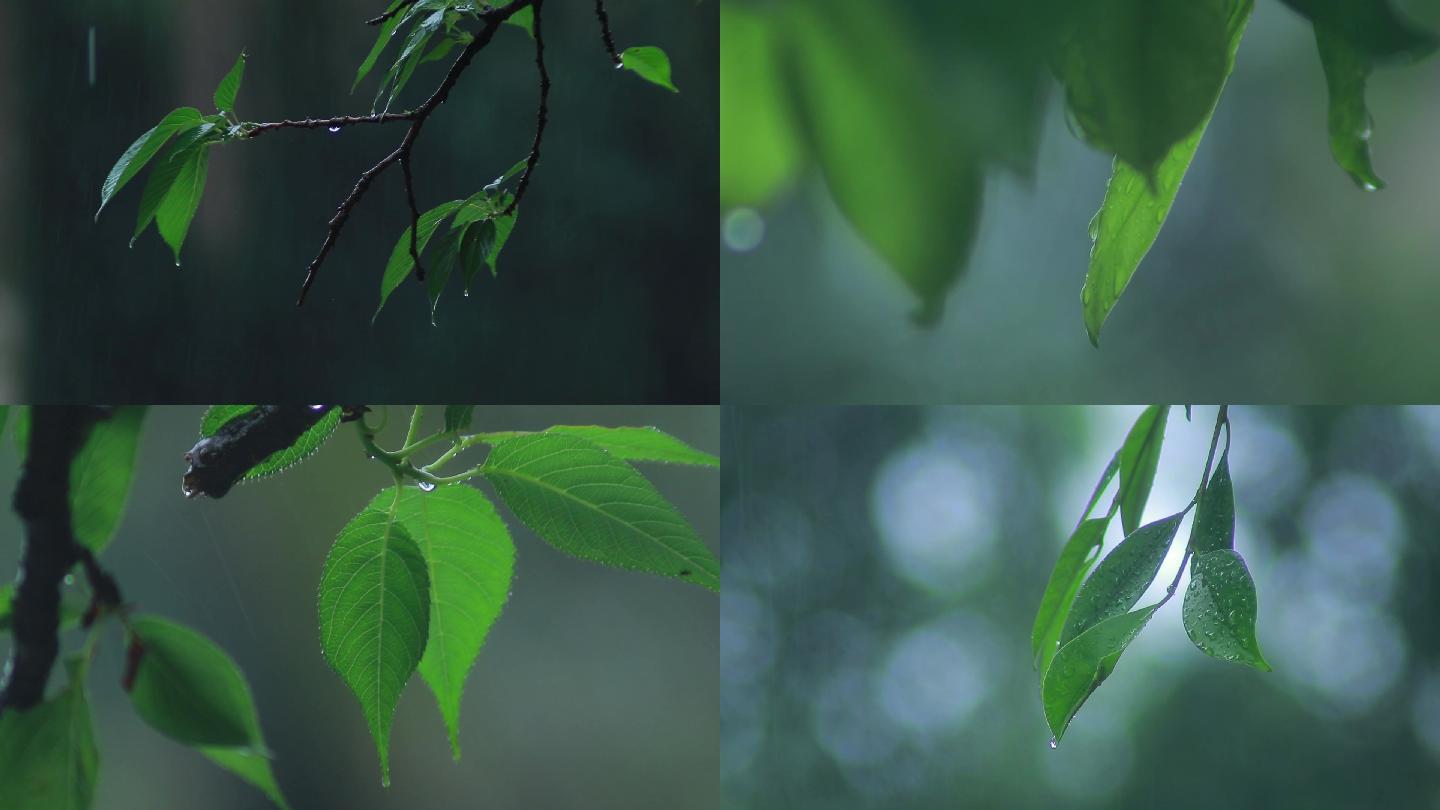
pixel 1214 526
pixel 1139 457
pixel 586 502
pixel 281 460
pixel 410 55
pixel 438 273
pixel 1373 28
pixel 1121 578
pixel 1346 69
pixel 48 757
pixel 165 176
pixel 144 148
pixel 639 444
pixel 908 192
pixel 760 149
pixel 101 474
pixel 230 86
pixel 469 559
pixel 1130 218
pixel 1141 75
pixel 251 766
pixel 374 616
pixel 1219 610
pixel 401 265
pixel 503 226
pixel 4 413
pixel 177 209
pixel 457 417
pixel 1084 663
pixel 188 689
pixel 649 63
pixel 475 250
pixel 387 30
pixel 524 18
pixel 1079 553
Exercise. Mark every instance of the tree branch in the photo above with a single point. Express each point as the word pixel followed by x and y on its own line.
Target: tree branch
pixel 381 18
pixel 42 500
pixel 218 461
pixel 541 116
pixel 605 34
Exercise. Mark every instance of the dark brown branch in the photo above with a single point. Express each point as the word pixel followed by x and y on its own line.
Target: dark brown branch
pixel 256 130
pixel 414 218
pixel 42 500
pixel 218 461
pixel 491 21
pixel 605 34
pixel 380 19
pixel 541 116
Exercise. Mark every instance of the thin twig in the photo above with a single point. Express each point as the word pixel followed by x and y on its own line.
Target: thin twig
pixel 256 130
pixel 380 19
pixel 1221 418
pixel 417 117
pixel 541 116
pixel 605 34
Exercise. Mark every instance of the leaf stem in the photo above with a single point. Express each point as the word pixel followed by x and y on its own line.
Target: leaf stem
pixel 1222 417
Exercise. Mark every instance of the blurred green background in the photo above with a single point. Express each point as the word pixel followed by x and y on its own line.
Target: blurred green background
pixel 596 687
pixel 883 567
pixel 607 291
pixel 1274 280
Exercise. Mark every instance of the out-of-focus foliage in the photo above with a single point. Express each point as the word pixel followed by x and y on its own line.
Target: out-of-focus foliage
pixel 882 567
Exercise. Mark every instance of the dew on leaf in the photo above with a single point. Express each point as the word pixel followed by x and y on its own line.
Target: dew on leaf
pixel 427 486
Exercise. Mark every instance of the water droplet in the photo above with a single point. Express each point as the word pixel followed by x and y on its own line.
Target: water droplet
pixel 69 579
pixel 317 407
pixel 1053 743
pixel 426 486
pixel 370 456
pixel 1095 227
pixel 620 64
pixel 467 293
pixel 334 129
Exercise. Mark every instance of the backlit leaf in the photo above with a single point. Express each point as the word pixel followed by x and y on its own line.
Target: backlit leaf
pixel 374 616
pixel 1346 69
pixel 100 476
pixel 1220 606
pixel 230 86
pixel 166 174
pixel 760 150
pixel 144 148
pixel 401 264
pixel 1084 663
pixel 177 208
pixel 1079 553
pixel 1139 457
pixel 1133 211
pixel 1214 526
pixel 649 63
pixel 1122 577
pixel 586 502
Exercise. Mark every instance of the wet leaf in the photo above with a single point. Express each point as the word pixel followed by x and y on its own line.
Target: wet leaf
pixel 1122 577
pixel 586 502
pixel 1136 206
pixel 639 444
pixel 387 30
pixel 1219 610
pixel 48 756
pixel 1139 457
pixel 374 616
pixel 401 264
pixel 100 476
pixel 469 559
pixel 281 460
pixel 1346 69
pixel 230 86
pixel 1214 526
pixel 649 63
pixel 166 174
pixel 1084 663
pixel 1076 558
pixel 144 148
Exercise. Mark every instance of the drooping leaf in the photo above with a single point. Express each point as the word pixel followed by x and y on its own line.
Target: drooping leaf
pixel 912 196
pixel 100 476
pixel 188 689
pixel 229 86
pixel 410 55
pixel 251 766
pixel 1219 610
pixel 649 63
pixel 639 444
pixel 387 30
pixel 437 274
pixel 469 559
pixel 475 249
pixel 282 460
pixel 401 264
pixel 1346 69
pixel 374 616
pixel 1141 75
pixel 760 151
pixel 1214 526
pixel 503 226
pixel 586 502
pixel 1084 663
pixel 457 417
pixel 166 174
pixel 48 756
pixel 1371 27
pixel 138 155
pixel 1121 578
pixel 1139 457
pixel 177 209
pixel 1079 553
pixel 1132 213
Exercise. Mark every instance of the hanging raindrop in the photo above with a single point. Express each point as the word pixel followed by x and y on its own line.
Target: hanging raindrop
pixel 426 486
